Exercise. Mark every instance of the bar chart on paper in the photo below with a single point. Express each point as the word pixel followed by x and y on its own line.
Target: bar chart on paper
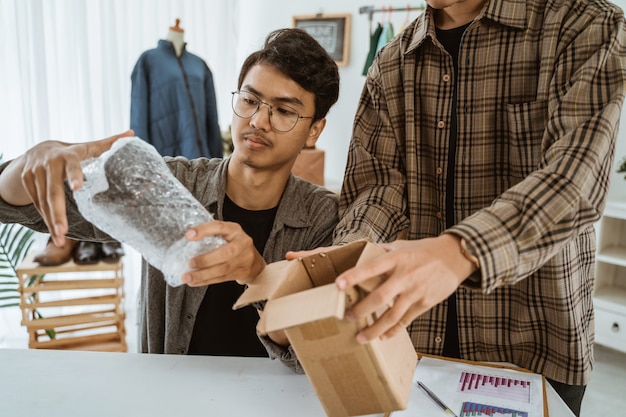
pixel 473 389
pixel 495 386
pixel 475 409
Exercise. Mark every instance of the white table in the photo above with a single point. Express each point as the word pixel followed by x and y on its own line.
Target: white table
pixel 53 383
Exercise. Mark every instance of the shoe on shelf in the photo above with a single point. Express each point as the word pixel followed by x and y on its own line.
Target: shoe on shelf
pixel 54 255
pixel 87 253
pixel 112 251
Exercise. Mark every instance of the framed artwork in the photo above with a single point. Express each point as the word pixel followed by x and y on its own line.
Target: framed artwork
pixel 332 31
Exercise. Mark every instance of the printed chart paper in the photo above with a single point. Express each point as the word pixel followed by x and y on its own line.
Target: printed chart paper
pixel 476 390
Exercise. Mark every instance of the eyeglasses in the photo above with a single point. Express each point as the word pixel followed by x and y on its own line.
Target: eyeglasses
pixel 283 118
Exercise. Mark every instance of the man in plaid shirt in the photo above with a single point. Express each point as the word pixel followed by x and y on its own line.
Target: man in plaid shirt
pixel 485 135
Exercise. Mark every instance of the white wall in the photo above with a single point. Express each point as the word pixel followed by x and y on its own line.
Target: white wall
pixel 618 182
pixel 260 18
pixel 224 46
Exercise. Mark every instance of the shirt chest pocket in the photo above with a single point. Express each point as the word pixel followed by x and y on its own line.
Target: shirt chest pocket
pixel 526 126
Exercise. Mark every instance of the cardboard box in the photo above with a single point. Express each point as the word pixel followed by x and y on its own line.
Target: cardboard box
pixel 310 165
pixel 350 379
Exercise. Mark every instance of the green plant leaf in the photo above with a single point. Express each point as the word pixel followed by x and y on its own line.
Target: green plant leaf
pixel 9 305
pixel 15 242
pixel 622 166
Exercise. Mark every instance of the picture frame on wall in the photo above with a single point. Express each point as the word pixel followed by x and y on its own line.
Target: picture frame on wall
pixel 332 31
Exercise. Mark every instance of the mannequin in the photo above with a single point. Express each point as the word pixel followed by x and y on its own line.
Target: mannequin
pixel 181 119
pixel 176 35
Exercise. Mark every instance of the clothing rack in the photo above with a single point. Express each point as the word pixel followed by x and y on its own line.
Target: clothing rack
pixel 370 10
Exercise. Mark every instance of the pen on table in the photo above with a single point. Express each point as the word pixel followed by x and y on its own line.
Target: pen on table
pixel 435 399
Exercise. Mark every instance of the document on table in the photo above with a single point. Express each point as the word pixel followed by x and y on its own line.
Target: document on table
pixel 470 389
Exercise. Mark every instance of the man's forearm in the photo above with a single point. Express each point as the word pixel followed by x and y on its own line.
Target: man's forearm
pixel 12 190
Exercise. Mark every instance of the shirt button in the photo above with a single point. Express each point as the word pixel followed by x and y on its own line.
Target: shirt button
pixel 189 316
pixel 181 351
pixel 441 124
pixel 437 339
pixel 439 170
pixel 446 78
pixel 439 215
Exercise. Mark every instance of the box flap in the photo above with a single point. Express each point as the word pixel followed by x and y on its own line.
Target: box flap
pixel 324 267
pixel 302 307
pixel 286 277
pixel 276 279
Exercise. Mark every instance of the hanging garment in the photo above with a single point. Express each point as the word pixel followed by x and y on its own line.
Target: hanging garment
pixel 373 48
pixel 386 36
pixel 173 105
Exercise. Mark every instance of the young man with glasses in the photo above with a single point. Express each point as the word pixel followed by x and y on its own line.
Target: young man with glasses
pixel 283 94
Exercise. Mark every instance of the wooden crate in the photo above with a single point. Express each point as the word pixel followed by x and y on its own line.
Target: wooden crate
pixel 73 307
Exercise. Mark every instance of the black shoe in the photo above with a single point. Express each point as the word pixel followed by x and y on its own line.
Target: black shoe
pixel 87 253
pixel 112 251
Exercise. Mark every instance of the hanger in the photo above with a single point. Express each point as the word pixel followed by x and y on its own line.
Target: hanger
pixel 407 18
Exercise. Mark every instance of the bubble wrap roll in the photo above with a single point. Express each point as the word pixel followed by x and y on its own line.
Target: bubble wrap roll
pixel 130 193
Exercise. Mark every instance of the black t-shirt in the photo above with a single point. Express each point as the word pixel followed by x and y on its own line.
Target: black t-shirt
pixel 219 330
pixel 451 41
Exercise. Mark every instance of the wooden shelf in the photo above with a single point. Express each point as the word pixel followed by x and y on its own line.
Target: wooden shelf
pixel 113 299
pixel 94 344
pixel 96 321
pixel 74 284
pixel 73 320
pixel 35 268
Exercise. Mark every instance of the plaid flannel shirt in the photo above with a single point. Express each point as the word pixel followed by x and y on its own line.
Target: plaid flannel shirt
pixel 540 88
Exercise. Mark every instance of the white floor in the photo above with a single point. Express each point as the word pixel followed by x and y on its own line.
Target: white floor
pixel 605 394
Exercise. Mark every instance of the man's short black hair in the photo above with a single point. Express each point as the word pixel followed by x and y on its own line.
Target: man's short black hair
pixel 300 57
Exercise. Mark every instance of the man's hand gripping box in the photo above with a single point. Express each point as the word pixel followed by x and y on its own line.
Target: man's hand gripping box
pixel 349 378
